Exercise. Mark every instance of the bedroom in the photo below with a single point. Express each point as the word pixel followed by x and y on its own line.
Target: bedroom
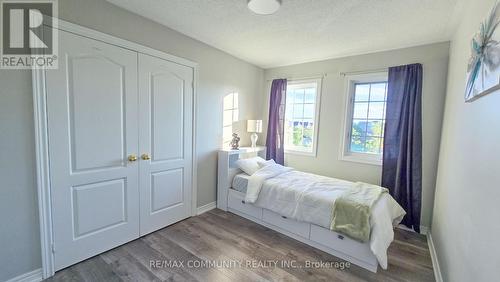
pixel 229 55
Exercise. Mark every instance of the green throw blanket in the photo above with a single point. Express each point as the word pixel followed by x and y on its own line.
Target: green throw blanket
pixel 351 211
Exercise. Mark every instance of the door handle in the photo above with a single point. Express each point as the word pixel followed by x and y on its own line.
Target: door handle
pixel 145 157
pixel 132 158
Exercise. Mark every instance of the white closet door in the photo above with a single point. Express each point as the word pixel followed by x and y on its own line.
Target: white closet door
pixel 92 118
pixel 165 142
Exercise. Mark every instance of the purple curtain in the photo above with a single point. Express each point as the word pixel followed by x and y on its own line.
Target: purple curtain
pixel 276 124
pixel 402 160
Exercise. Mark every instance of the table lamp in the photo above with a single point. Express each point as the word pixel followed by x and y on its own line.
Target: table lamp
pixel 254 126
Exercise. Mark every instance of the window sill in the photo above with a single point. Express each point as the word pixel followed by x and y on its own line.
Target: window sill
pixel 363 159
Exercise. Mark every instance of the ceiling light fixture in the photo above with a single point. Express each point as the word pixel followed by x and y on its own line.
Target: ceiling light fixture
pixel 264 7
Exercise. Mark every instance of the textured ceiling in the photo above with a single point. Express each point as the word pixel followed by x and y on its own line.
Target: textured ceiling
pixel 304 30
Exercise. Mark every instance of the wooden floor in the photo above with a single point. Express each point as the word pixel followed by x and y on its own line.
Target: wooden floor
pixel 218 237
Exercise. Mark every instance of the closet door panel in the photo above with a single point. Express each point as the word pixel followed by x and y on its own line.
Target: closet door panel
pixel 165 142
pixel 167 116
pixel 93 102
pixel 92 128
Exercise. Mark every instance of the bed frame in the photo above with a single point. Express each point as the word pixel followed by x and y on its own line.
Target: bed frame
pixel 313 235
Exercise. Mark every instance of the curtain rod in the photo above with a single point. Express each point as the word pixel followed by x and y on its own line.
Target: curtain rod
pixel 325 74
pixel 364 71
pixel 299 78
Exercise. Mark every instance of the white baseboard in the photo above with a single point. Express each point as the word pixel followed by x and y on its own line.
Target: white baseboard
pixel 32 276
pixel 434 258
pixel 205 208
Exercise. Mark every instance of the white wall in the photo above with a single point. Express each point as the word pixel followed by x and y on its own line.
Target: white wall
pixel 465 227
pixel 434 58
pixel 219 75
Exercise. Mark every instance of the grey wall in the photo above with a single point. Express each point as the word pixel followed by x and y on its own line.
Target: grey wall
pixel 19 229
pixel 465 226
pixel 467 187
pixel 435 61
pixel 219 75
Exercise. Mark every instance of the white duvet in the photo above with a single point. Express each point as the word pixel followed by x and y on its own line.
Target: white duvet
pixel 308 197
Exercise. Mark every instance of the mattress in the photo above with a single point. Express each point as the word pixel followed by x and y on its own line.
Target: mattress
pixel 240 182
pixel 309 198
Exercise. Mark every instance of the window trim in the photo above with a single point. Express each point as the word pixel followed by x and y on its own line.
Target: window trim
pixel 318 82
pixel 345 154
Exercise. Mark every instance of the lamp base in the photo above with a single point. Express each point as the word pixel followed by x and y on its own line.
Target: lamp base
pixel 254 138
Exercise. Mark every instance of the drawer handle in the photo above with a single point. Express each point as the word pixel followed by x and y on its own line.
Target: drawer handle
pixel 340 237
pixel 283 216
pixel 242 201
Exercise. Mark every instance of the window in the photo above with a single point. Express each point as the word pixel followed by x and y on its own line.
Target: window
pixel 365 118
pixel 230 116
pixel 301 116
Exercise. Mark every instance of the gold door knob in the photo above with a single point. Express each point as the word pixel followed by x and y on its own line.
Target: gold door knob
pixel 145 157
pixel 132 158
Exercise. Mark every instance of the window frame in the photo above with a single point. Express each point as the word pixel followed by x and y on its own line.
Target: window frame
pixel 345 153
pixel 297 84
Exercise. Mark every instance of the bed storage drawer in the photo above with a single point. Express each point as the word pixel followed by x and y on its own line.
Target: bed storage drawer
pixel 296 227
pixel 340 242
pixel 236 201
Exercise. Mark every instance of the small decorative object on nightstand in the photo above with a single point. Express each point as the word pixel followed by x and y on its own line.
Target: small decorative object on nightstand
pixel 235 142
pixel 254 126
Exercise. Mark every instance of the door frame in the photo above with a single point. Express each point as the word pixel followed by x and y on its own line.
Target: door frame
pixel 41 134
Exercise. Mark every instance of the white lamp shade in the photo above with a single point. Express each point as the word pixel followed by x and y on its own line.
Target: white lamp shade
pixel 254 126
pixel 264 7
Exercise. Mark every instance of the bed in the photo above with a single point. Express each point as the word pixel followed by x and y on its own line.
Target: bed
pixel 286 204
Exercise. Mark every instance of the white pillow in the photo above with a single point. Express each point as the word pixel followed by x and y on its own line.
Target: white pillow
pixel 265 163
pixel 250 165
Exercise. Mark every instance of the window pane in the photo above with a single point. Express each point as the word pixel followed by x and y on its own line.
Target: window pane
pixel 376 110
pixel 230 114
pixel 235 100
pixel 362 92
pixel 228 101
pixel 308 123
pixel 289 96
pixel 308 111
pixel 377 92
pixel 372 145
pixel 299 96
pixel 360 110
pixel 288 111
pixel 357 144
pixel 307 138
pixel 297 133
pixel 227 132
pixel 236 114
pixel 358 127
pixel 299 116
pixel 288 132
pixel 298 111
pixel 367 128
pixel 310 95
pixel 227 118
pixel 374 128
